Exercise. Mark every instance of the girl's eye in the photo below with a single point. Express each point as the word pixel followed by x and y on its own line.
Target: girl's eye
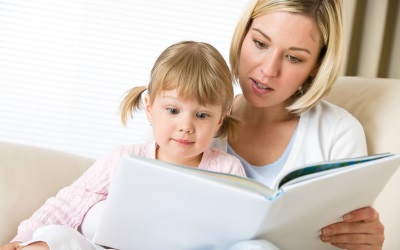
pixel 260 44
pixel 202 115
pixel 173 111
pixel 294 59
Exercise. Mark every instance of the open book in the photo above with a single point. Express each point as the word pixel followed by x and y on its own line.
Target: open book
pixel 157 205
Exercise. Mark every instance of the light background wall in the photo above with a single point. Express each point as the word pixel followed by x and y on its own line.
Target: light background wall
pixel 65 64
pixel 372 30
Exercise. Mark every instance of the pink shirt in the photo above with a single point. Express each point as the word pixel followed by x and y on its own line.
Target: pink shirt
pixel 71 203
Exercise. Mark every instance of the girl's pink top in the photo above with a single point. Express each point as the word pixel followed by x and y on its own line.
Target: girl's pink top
pixel 71 203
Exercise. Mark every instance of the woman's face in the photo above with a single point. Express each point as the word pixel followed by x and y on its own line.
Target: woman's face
pixel 278 54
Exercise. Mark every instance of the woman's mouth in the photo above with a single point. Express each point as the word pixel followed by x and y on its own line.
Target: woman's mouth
pixel 261 88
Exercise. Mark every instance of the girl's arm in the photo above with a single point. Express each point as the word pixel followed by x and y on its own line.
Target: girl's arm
pixel 71 203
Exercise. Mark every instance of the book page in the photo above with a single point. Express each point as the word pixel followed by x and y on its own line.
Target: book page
pixel 187 208
pixel 295 219
pixel 228 179
pixel 316 170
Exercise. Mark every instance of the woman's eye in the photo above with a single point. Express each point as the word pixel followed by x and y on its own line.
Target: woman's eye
pixel 202 115
pixel 173 111
pixel 294 59
pixel 260 45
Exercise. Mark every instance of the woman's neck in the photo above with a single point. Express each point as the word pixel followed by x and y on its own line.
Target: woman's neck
pixel 269 130
pixel 254 115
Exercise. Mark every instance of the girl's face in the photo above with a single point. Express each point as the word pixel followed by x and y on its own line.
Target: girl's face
pixel 278 53
pixel 183 129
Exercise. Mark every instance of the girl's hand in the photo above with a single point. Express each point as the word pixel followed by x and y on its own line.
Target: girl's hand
pixel 40 245
pixel 361 229
pixel 33 246
pixel 10 246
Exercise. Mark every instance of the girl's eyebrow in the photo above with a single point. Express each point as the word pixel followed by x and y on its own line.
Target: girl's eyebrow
pixel 169 96
pixel 269 39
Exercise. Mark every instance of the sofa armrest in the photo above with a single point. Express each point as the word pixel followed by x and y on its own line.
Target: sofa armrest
pixel 28 176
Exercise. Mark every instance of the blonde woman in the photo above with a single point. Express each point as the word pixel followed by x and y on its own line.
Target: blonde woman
pixel 286 55
pixel 187 102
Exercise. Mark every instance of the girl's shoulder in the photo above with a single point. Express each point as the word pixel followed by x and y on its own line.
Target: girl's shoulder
pixel 217 160
pixel 146 149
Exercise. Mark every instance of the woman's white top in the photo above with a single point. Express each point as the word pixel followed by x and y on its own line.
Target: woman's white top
pixel 325 132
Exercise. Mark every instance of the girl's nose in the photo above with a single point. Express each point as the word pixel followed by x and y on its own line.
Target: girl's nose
pixel 186 125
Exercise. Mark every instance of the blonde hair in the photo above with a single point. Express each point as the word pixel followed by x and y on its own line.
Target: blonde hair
pixel 327 15
pixel 197 71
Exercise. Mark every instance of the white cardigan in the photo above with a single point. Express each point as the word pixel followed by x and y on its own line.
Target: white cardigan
pixel 325 132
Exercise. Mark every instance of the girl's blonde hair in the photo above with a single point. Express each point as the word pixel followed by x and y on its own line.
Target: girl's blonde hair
pixel 327 15
pixel 197 71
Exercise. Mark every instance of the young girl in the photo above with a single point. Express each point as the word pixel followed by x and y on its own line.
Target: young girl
pixel 189 96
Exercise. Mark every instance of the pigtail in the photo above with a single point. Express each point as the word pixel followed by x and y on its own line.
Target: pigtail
pixel 228 128
pixel 131 102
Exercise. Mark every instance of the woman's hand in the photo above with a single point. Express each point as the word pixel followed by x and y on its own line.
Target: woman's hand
pixel 361 229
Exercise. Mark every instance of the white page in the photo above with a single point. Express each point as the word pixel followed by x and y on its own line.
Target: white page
pixel 175 210
pixel 295 219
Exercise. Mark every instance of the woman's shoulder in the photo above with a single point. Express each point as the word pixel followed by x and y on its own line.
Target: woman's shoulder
pixel 329 124
pixel 331 114
pixel 327 132
pixel 329 109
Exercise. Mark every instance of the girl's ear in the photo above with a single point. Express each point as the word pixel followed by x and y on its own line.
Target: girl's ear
pixel 221 120
pixel 147 108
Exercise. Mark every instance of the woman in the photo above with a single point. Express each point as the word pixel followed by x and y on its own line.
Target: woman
pixel 286 54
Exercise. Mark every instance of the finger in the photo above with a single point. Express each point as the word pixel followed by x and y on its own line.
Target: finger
pixel 353 239
pixel 375 228
pixel 354 247
pixel 362 214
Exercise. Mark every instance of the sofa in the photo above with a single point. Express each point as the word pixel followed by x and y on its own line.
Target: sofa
pixel 29 175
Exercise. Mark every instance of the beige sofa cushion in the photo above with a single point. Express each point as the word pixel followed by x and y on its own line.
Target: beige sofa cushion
pixel 376 104
pixel 28 176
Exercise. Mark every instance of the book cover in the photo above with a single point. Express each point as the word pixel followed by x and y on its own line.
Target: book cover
pixel 153 204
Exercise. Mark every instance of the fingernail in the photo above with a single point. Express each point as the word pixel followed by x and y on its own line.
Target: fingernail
pixel 348 217
pixel 326 231
pixel 326 238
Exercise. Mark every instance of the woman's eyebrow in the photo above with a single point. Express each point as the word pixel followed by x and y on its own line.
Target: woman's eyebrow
pixel 262 33
pixel 269 39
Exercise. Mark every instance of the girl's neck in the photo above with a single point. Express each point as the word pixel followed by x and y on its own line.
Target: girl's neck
pixel 190 162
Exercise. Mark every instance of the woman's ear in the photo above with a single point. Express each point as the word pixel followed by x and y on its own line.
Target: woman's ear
pixel 147 108
pixel 314 71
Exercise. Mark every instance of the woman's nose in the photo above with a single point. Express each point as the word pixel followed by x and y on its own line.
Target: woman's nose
pixel 271 64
